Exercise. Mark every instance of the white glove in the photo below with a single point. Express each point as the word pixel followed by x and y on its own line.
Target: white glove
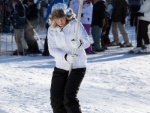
pixel 70 58
pixel 75 43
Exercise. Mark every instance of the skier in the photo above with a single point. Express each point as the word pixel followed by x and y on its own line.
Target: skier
pixel 143 23
pixel 64 87
pixel 134 6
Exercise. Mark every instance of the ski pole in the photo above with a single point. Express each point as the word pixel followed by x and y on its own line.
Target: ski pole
pixel 35 33
pixel 16 38
pixel 77 29
pixel 6 45
pixel 12 44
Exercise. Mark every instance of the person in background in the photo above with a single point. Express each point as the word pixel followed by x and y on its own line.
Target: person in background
pixel 106 29
pixel 74 5
pixel 98 18
pixel 118 18
pixel 19 21
pixel 86 19
pixel 61 42
pixel 134 6
pixel 143 28
pixel 31 18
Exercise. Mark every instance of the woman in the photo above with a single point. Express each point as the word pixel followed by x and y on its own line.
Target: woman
pixel 64 87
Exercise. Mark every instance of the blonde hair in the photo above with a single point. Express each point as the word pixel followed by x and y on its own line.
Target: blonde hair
pixel 56 14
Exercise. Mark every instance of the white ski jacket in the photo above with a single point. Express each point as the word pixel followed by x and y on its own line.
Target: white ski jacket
pixel 145 8
pixel 87 10
pixel 59 43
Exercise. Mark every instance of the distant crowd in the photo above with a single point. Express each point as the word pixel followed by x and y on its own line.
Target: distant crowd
pixel 101 15
pixel 21 17
pixel 98 17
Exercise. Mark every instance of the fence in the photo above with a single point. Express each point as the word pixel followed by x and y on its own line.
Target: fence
pixel 7 44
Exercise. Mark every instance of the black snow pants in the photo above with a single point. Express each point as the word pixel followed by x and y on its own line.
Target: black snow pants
pixel 64 90
pixel 142 34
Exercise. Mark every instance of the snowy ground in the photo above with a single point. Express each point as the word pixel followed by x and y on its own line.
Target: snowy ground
pixel 115 82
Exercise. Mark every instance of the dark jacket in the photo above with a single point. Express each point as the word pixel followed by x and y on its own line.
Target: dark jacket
pixel 32 12
pixel 134 5
pixel 18 16
pixel 119 12
pixel 134 2
pixel 98 16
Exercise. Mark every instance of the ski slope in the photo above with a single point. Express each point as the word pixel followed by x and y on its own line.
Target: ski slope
pixel 115 82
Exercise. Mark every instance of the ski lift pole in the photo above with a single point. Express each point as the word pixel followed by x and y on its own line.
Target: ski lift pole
pixel 77 29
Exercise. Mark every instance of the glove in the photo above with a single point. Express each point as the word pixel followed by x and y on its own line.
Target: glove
pixel 123 20
pixel 75 43
pixel 137 14
pixel 70 58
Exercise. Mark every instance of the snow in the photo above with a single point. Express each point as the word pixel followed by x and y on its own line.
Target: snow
pixel 115 82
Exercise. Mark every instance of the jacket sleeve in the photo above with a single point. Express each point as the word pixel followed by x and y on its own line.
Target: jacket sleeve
pixel 147 13
pixel 84 37
pixel 53 49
